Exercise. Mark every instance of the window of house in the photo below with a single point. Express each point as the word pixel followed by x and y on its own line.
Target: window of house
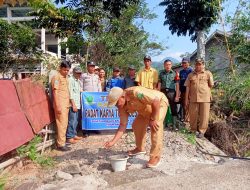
pixel 52 48
pixel 20 12
pixel 3 11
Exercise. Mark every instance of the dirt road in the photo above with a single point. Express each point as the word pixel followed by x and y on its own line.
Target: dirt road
pixel 87 166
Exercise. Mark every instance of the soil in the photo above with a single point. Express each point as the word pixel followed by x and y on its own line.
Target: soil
pixel 88 163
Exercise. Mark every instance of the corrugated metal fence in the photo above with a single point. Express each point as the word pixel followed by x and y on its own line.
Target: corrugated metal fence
pixel 25 109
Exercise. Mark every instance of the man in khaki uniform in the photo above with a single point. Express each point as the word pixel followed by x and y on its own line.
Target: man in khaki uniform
pixel 61 103
pixel 198 97
pixel 151 106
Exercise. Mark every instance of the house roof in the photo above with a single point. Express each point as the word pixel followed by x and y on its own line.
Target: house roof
pixel 212 36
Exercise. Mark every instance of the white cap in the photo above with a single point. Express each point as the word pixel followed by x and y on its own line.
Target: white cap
pixel 114 94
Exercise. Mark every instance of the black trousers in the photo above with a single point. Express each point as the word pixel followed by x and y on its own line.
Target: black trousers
pixel 170 94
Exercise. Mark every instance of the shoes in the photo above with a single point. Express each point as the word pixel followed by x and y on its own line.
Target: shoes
pixel 135 152
pixel 78 138
pixel 72 141
pixel 153 162
pixel 85 135
pixel 63 148
pixel 96 132
pixel 200 135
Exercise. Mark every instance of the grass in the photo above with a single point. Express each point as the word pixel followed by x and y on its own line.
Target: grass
pixel 190 137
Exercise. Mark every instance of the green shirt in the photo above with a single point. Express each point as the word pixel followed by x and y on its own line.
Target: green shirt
pixel 168 79
pixel 75 91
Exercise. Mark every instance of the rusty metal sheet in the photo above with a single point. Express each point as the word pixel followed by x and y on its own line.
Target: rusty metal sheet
pixel 35 103
pixel 14 127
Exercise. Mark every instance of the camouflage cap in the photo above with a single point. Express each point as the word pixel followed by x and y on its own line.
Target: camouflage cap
pixel 77 70
pixel 132 67
pixel 199 60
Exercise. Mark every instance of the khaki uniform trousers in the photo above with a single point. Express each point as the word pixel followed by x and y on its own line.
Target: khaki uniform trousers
pixel 185 110
pixel 61 126
pixel 199 116
pixel 140 125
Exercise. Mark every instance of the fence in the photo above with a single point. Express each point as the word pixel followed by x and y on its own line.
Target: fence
pixel 25 109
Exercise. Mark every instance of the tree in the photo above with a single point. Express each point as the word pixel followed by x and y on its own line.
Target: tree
pixel 192 17
pixel 77 16
pixel 17 46
pixel 125 42
pixel 239 39
pixel 108 38
pixel 12 2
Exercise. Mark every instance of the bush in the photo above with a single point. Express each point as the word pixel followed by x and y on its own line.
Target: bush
pixel 234 94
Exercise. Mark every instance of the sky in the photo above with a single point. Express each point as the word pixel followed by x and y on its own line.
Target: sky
pixel 176 45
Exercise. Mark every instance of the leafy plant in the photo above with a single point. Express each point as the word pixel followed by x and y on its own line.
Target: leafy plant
pixel 235 94
pixel 2 182
pixel 30 151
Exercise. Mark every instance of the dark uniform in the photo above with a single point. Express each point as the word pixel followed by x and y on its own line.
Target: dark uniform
pixel 168 82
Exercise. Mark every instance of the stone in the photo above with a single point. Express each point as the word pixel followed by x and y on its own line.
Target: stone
pixel 63 175
pixel 100 157
pixel 95 165
pixel 105 172
pixel 77 175
pixel 89 182
pixel 28 186
pixel 47 187
pixel 72 169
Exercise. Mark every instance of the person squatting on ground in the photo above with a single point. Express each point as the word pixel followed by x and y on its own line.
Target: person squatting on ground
pixel 198 97
pixel 186 69
pixel 151 106
pixel 147 77
pixel 61 103
pixel 169 85
pixel 75 108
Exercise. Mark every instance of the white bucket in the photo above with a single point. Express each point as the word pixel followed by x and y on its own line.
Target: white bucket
pixel 118 162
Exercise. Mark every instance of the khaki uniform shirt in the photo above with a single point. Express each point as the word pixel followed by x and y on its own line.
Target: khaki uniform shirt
pixel 140 99
pixel 90 82
pixel 147 77
pixel 59 83
pixel 200 86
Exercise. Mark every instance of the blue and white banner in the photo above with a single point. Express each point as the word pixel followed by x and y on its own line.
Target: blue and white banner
pixel 97 116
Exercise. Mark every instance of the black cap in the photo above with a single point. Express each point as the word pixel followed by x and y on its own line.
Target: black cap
pixel 90 63
pixel 185 59
pixel 131 67
pixel 147 57
pixel 116 69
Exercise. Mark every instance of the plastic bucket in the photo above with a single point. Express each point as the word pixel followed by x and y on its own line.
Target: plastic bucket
pixel 118 162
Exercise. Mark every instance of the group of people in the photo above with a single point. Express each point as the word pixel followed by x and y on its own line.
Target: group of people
pixel 66 96
pixel 146 92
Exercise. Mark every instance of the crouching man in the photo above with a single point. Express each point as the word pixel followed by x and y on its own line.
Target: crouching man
pixel 151 106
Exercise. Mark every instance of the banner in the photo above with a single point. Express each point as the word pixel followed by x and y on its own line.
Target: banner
pixel 97 116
